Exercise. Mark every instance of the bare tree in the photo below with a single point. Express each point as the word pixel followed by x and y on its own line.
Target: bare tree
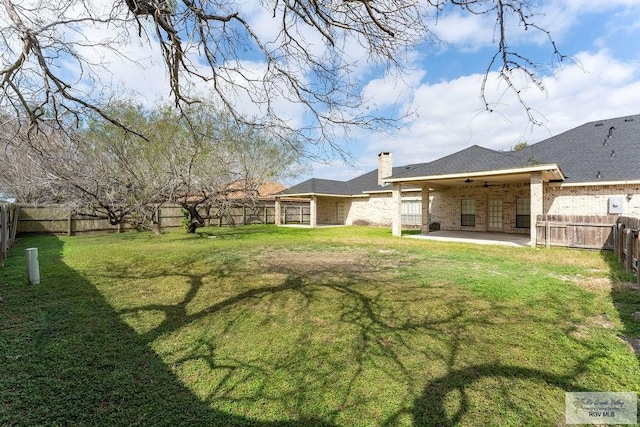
pixel 197 158
pixel 306 59
pixel 214 163
pixel 101 170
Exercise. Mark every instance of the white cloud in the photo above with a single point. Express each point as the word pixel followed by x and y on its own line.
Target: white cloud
pixel 466 31
pixel 451 116
pixel 469 32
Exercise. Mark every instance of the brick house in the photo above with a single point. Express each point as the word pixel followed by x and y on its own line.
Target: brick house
pixel 593 169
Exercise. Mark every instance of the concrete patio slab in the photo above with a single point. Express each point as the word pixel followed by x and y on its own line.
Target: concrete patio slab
pixel 480 238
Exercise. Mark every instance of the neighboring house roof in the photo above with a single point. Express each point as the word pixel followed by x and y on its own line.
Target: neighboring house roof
pixel 598 151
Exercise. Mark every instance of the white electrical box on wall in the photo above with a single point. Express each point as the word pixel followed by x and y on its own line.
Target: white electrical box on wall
pixel 615 205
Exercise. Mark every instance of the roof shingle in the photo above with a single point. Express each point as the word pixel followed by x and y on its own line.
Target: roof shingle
pixel 603 150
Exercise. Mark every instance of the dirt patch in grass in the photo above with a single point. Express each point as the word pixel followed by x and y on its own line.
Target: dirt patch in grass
pixel 634 344
pixel 305 263
pixel 600 284
pixel 601 320
pixel 620 286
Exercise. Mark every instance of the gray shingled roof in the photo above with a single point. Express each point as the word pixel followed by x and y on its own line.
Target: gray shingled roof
pixel 318 186
pixel 581 153
pixel 357 185
pixel 472 159
pixel 586 150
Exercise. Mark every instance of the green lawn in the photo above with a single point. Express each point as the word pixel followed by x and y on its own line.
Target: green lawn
pixel 265 326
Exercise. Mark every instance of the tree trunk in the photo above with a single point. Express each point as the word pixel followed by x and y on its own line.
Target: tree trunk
pixel 195 219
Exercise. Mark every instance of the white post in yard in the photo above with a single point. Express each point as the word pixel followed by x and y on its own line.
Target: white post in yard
pixel 33 266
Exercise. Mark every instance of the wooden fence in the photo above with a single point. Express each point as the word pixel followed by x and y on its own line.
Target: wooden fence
pixel 576 231
pixel 627 243
pixel 609 232
pixel 60 220
pixel 8 228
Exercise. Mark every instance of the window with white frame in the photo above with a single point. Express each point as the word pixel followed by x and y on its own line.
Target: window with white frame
pixel 523 213
pixel 468 213
pixel 411 212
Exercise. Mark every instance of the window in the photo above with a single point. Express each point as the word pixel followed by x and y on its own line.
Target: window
pixel 412 212
pixel 468 213
pixel 523 213
pixel 495 215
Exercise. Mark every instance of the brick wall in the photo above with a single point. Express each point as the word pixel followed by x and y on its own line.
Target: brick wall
pixel 374 210
pixel 593 200
pixel 327 208
pixel 446 206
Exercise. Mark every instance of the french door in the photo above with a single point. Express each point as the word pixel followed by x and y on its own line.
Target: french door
pixel 494 216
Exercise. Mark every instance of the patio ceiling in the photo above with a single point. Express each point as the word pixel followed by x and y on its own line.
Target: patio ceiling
pixel 478 179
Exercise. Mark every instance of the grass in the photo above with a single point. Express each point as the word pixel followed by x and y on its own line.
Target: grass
pixel 265 326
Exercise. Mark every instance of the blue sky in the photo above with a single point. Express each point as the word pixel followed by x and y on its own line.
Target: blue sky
pixel 443 81
pixel 600 79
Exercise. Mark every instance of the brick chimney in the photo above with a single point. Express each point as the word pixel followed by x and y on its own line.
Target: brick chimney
pixel 385 166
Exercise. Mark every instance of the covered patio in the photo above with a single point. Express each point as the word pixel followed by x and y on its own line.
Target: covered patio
pixel 493 195
pixel 480 238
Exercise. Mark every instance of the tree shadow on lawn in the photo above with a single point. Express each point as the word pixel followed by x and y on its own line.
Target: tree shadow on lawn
pixel 380 337
pixel 68 358
pixel 625 294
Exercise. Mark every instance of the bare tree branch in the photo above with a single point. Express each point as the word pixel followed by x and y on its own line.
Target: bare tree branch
pixel 212 50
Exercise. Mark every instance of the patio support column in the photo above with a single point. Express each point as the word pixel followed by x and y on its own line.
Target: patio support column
pixel 425 209
pixel 537 204
pixel 396 210
pixel 313 212
pixel 278 213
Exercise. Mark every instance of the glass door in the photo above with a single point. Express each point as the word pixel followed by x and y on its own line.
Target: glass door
pixel 495 215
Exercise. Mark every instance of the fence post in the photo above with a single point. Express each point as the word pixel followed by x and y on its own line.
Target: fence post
pixel 244 215
pixel 547 234
pixel 620 242
pixel 14 226
pixel 3 233
pixel 637 245
pixel 301 215
pixel 70 223
pixel 628 240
